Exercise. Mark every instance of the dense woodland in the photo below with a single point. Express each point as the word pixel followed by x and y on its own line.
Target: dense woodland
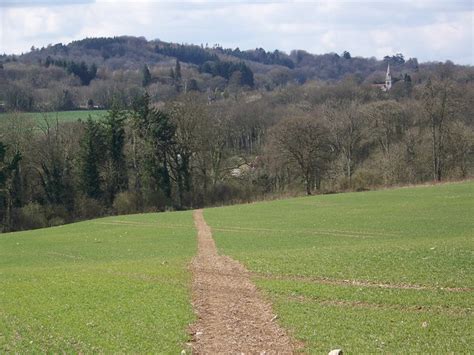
pixel 190 126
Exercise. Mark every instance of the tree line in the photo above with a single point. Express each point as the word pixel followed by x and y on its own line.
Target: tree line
pixel 83 71
pixel 191 152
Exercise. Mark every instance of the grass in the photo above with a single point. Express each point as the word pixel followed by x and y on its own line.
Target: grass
pixel 62 116
pixel 117 284
pixel 384 271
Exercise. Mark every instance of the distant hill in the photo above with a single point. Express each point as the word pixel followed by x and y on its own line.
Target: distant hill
pixel 127 52
pixel 97 71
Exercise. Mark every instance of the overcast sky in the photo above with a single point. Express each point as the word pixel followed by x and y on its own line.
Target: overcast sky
pixel 431 30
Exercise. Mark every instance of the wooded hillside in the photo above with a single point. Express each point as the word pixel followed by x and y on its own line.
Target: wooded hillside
pixel 190 126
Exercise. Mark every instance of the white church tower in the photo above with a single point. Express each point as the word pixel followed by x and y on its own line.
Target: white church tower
pixel 388 79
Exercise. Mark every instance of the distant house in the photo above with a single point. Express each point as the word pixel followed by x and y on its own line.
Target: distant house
pixel 387 85
pixel 91 106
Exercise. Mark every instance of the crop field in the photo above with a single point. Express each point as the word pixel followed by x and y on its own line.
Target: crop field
pixel 61 116
pixel 388 270
pixel 117 284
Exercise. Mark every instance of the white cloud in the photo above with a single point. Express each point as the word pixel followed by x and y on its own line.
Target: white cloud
pixel 427 29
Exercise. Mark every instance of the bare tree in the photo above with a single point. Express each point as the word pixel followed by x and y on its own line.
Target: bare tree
pixel 460 148
pixel 304 140
pixel 346 125
pixel 439 103
pixel 388 122
pixel 188 115
pixel 211 157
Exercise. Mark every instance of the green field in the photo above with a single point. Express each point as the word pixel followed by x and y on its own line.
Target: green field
pixel 374 271
pixel 108 285
pixel 61 116
pixel 387 271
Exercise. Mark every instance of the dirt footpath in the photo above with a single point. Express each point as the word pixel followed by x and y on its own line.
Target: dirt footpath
pixel 232 316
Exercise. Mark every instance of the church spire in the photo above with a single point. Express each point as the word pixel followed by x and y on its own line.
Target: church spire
pixel 388 79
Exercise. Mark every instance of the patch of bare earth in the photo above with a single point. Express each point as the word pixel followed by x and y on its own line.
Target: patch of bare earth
pixel 232 315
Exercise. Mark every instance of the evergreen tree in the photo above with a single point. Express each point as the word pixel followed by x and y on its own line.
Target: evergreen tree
pixel 92 144
pixel 92 72
pixel 117 179
pixel 138 120
pixel 8 169
pixel 177 70
pixel 227 69
pixel 157 131
pixel 52 180
pixel 161 136
pixel 17 188
pixel 177 76
pixel 66 101
pixel 193 85
pixel 141 109
pixel 247 75
pixel 146 76
pixel 81 70
pixel 186 53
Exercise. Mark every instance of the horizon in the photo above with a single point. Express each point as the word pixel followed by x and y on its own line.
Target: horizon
pixel 428 30
pixel 242 49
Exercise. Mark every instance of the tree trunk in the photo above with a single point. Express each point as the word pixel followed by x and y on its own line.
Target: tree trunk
pixel 309 183
pixel 135 164
pixel 436 151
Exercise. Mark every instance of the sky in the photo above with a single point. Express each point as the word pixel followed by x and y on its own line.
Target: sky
pixel 430 30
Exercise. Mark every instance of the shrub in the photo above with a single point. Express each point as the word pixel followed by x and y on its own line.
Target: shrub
pixel 365 179
pixel 128 202
pixel 154 201
pixel 31 216
pixel 88 208
pixel 56 221
pixel 57 213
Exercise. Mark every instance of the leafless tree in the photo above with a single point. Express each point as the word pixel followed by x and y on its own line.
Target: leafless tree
pixel 304 140
pixel 346 125
pixel 439 102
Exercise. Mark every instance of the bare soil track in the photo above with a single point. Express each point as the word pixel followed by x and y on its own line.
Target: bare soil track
pixel 232 315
